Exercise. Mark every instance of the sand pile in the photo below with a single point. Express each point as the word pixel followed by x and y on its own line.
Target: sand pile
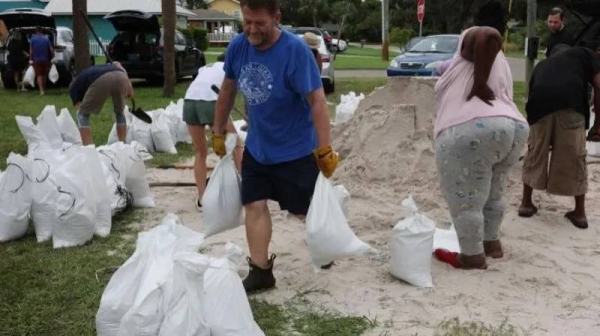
pixel 387 147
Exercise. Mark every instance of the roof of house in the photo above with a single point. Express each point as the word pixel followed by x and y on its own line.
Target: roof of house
pixel 210 15
pixel 99 7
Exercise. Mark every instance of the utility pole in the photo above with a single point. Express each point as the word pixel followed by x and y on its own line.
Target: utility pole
pixel 385 27
pixel 532 42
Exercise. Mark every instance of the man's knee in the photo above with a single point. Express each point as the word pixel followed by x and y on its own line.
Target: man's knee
pixel 256 208
pixel 120 119
pixel 83 120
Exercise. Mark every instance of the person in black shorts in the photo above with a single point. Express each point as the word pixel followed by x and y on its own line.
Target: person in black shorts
pixel 18 57
pixel 289 139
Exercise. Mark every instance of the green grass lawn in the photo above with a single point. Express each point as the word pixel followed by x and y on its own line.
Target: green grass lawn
pixel 358 51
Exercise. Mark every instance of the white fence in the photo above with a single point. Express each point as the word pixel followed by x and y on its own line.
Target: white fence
pixel 220 37
pixel 95 49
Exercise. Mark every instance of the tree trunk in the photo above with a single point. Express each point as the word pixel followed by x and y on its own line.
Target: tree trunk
pixel 169 18
pixel 80 36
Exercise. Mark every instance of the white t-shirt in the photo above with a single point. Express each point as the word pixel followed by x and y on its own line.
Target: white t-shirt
pixel 208 75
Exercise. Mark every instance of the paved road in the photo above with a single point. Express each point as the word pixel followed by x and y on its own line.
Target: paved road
pixel 517 66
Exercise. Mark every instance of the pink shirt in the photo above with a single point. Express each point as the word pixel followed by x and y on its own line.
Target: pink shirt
pixel 455 85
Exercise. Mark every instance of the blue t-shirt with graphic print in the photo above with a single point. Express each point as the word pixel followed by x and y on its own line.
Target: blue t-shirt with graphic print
pixel 275 83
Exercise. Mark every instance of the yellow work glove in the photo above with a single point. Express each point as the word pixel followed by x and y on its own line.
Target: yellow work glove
pixel 219 144
pixel 327 160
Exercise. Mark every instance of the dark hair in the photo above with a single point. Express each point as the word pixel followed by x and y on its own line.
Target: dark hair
pixel 221 57
pixel 272 6
pixel 559 11
pixel 39 29
pixel 491 14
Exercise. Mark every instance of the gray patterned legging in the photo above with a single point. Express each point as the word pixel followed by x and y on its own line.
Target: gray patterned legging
pixel 472 161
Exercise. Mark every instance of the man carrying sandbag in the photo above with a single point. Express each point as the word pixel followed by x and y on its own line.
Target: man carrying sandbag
pixel 289 137
pixel 92 87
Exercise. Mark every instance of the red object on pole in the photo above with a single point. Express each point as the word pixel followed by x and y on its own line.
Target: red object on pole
pixel 421 10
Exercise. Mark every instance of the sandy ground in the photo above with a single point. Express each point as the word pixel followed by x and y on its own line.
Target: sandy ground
pixel 547 283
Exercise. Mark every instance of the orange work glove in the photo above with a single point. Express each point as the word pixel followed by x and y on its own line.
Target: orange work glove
pixel 219 145
pixel 327 160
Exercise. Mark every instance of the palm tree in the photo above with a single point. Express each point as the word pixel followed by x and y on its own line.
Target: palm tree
pixel 80 38
pixel 169 19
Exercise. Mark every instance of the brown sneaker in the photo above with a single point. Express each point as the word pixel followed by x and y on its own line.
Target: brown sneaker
pixel 258 278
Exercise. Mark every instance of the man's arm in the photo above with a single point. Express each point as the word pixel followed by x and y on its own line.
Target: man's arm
pixel 596 86
pixel 225 103
pixel 481 46
pixel 320 116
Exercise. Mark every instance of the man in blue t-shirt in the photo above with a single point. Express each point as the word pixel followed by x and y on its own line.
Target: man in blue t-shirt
pixel 41 54
pixel 92 87
pixel 288 138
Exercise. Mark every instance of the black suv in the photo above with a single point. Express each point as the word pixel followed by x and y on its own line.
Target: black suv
pixel 139 47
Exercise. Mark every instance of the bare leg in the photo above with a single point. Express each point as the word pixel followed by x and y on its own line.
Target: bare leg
pixel 86 135
pixel 40 83
pixel 17 80
pixel 258 232
pixel 122 132
pixel 200 149
pixel 580 208
pixel 527 208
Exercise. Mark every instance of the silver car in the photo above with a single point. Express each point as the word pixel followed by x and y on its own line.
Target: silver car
pixel 328 71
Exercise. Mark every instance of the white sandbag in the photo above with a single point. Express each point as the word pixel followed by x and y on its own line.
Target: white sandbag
pixel 119 295
pixel 238 124
pixel 133 172
pixel 411 246
pixel 344 197
pixel 226 304
pixel 141 151
pixel 53 74
pixel 68 128
pixel 31 133
pixel 593 148
pixel 328 235
pixel 45 193
pixel 348 105
pixel 15 198
pixel 222 199
pixel 103 206
pixel 161 136
pixel 446 239
pixel 175 112
pixel 29 77
pixel 76 203
pixel 184 300
pixel 47 123
pixel 147 312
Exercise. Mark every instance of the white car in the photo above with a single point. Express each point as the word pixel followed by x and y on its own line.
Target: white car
pixel 339 47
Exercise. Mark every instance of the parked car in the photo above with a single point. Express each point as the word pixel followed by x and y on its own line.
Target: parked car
pixel 139 47
pixel 328 71
pixel 420 60
pixel 340 46
pixel 317 31
pixel 411 43
pixel 26 20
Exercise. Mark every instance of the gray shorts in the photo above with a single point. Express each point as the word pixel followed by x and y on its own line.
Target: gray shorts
pixel 199 112
pixel 112 84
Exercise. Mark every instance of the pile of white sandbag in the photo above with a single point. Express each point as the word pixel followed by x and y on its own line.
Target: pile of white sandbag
pixel 70 192
pixel 167 288
pixel 347 106
pixel 166 130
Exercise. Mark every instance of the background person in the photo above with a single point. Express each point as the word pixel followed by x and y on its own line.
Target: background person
pixel 313 43
pixel 559 34
pixel 17 57
pixel 92 87
pixel 198 112
pixel 41 54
